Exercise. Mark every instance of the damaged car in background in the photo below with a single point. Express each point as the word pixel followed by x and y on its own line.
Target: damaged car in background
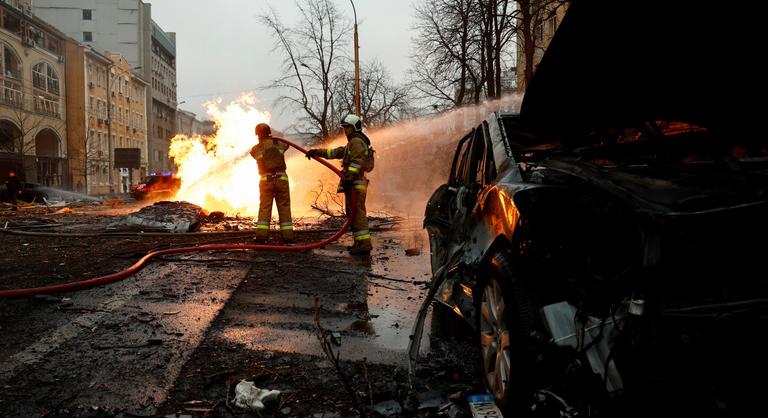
pixel 608 242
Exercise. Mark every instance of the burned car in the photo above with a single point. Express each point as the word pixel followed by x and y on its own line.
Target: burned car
pixel 157 186
pixel 607 242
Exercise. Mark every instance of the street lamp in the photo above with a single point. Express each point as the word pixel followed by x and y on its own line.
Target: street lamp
pixel 357 65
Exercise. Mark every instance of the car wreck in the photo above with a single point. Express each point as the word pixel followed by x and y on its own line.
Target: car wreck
pixel 606 242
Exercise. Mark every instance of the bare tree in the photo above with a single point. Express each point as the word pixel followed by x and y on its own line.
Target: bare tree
pixel 445 63
pixel 463 48
pixel 312 60
pixel 496 20
pixel 381 101
pixel 533 16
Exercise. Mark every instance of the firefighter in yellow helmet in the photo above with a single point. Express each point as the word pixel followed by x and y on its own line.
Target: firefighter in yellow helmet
pixel 269 156
pixel 357 159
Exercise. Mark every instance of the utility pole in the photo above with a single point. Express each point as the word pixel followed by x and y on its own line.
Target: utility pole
pixel 357 65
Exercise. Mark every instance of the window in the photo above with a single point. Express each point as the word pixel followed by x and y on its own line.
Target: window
pixel 90 105
pixel 11 23
pixel 87 36
pixel 11 64
pixel 87 14
pixel 44 77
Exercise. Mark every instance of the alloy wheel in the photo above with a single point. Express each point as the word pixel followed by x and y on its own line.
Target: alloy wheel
pixel 494 340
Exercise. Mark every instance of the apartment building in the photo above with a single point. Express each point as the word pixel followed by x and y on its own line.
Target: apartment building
pixel 106 103
pixel 126 27
pixel 33 136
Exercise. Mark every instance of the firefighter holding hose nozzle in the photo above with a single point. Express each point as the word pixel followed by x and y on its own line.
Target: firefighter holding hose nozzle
pixel 270 158
pixel 357 159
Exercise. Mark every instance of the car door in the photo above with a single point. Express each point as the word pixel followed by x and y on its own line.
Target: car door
pixel 449 208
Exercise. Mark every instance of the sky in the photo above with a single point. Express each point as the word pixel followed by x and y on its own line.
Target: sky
pixel 223 49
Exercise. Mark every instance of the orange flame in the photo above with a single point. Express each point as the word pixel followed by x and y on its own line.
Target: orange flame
pixel 217 171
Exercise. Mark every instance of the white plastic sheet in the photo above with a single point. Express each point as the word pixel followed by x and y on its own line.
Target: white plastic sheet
pixel 248 396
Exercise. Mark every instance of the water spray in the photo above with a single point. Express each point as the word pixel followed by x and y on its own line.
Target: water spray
pixel 111 278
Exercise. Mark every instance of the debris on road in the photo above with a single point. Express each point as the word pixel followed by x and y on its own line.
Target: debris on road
pixel 248 396
pixel 388 408
pixel 165 217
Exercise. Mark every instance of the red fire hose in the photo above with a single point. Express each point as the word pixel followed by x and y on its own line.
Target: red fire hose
pixel 110 278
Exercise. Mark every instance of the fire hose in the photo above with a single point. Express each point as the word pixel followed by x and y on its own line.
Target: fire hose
pixel 114 277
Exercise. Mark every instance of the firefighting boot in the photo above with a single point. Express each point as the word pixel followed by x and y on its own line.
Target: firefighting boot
pixel 362 247
pixel 262 236
pixel 287 235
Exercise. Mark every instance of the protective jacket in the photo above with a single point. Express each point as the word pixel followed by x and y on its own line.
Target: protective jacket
pixel 269 155
pixel 273 185
pixel 357 159
pixel 356 156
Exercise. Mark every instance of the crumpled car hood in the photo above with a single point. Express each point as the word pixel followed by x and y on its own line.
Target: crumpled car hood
pixel 647 191
pixel 615 64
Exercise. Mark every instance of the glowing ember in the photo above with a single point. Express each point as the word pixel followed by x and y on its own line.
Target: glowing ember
pixel 217 172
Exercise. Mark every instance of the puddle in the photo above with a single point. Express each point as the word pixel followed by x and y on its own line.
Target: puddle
pixel 393 305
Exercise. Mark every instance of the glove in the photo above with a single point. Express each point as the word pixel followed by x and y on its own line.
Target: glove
pixel 312 153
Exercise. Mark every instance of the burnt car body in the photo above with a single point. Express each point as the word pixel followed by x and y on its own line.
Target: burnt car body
pixel 157 186
pixel 607 243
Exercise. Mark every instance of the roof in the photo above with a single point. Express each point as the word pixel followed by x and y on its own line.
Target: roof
pixel 162 37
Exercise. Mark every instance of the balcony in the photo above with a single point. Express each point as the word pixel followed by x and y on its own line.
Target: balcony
pixel 11 95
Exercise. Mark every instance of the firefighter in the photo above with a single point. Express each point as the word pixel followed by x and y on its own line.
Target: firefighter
pixel 13 187
pixel 269 156
pixel 357 159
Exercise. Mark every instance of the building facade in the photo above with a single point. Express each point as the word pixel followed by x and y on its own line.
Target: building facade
pixel 33 137
pixel 545 19
pixel 106 110
pixel 163 65
pixel 126 111
pixel 126 27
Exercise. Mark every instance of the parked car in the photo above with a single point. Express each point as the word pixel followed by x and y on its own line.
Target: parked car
pixel 157 186
pixel 608 242
pixel 32 192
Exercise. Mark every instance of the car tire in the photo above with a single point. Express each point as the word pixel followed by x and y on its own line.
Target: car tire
pixel 507 316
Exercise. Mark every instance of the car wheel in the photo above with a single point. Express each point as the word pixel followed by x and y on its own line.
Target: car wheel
pixel 507 318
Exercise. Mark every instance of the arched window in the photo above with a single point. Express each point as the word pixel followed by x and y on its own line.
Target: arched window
pixel 10 77
pixel 44 77
pixel 11 64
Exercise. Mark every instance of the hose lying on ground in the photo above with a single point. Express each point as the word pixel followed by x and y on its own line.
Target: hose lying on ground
pixel 110 278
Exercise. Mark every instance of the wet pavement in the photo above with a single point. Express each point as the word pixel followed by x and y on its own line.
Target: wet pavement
pixel 180 334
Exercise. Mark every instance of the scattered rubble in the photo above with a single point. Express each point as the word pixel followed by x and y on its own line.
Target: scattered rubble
pixel 164 217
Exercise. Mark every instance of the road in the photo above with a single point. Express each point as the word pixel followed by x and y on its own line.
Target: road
pixel 181 333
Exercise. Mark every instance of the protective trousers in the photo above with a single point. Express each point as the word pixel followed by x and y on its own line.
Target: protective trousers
pixel 360 232
pixel 274 187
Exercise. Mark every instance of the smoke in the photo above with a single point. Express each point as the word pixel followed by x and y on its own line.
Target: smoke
pixel 413 158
